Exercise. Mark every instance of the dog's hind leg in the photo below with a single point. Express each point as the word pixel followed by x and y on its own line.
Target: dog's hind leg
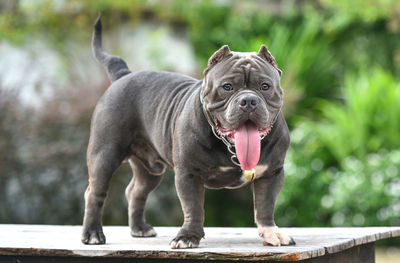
pixel 136 193
pixel 102 163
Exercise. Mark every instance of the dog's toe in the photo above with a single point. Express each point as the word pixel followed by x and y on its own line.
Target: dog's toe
pixel 147 231
pixel 173 244
pixel 272 237
pixel 285 239
pixel 271 241
pixel 94 237
pixel 184 243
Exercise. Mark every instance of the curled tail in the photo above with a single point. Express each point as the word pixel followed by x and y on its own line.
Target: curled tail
pixel 115 66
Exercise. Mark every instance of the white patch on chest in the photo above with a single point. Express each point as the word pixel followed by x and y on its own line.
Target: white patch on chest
pixel 261 169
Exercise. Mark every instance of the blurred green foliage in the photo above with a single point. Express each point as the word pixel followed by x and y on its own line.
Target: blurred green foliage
pixel 341 65
pixel 369 120
pixel 348 163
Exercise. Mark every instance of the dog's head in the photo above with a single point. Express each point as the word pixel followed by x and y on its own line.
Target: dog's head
pixel 242 96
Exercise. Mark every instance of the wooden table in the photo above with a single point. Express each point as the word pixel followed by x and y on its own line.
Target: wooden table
pixel 50 243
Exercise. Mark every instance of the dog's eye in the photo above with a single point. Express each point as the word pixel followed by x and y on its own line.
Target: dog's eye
pixel 227 87
pixel 265 86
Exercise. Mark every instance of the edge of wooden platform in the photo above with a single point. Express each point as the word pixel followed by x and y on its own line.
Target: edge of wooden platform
pixel 311 243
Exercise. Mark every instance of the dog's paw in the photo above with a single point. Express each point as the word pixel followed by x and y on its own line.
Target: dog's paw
pixel 145 230
pixel 187 238
pixel 272 237
pixel 184 242
pixel 93 237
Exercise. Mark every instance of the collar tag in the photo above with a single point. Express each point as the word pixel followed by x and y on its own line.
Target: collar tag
pixel 250 175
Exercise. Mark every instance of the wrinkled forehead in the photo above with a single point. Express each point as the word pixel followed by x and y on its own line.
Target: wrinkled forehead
pixel 246 64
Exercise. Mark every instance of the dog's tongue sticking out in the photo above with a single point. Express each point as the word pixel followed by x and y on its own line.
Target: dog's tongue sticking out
pixel 248 145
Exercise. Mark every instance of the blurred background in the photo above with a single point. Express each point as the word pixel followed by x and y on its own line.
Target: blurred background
pixel 341 71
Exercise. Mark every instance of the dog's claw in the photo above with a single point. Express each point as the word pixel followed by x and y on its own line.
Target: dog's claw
pixel 292 242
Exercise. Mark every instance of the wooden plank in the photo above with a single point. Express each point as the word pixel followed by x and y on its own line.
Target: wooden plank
pixel 219 243
pixel 357 254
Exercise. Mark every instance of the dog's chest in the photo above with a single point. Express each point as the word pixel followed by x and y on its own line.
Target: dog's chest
pixel 224 177
pixel 232 177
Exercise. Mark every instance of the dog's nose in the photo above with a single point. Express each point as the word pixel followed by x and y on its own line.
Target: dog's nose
pixel 248 103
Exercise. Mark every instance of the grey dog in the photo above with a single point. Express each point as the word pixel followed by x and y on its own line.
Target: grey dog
pixel 224 131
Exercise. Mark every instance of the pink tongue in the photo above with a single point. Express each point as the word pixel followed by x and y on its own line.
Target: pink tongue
pixel 247 145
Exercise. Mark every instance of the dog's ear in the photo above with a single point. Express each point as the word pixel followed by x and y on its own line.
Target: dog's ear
pixel 217 57
pixel 264 53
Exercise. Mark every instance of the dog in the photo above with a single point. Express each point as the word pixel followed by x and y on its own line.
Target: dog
pixel 224 131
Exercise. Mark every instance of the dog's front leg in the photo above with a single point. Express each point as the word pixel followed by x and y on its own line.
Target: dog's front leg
pixel 266 191
pixel 190 189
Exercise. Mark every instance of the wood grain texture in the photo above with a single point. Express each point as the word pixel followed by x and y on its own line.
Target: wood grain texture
pixel 219 243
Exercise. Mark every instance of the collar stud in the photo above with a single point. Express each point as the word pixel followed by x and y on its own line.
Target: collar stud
pixel 250 175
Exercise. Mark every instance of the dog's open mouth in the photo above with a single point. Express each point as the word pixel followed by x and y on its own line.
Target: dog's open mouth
pixel 247 140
